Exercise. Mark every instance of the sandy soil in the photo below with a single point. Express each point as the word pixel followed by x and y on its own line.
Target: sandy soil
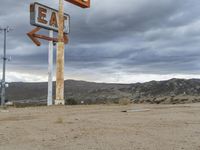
pixel 162 127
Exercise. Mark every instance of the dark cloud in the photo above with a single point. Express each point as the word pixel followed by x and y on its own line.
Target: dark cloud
pixel 147 37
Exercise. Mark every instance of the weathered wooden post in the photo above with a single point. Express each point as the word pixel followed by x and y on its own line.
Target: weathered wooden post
pixel 60 100
pixel 60 58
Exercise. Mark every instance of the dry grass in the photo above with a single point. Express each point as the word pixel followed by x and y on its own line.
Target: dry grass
pixel 124 101
pixel 3 107
pixel 59 120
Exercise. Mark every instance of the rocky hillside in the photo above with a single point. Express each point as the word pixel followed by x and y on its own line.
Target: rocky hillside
pixel 172 91
pixel 169 92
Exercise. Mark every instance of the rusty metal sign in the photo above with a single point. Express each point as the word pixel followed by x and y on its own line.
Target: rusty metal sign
pixel 34 37
pixel 43 16
pixel 80 3
pixel 46 17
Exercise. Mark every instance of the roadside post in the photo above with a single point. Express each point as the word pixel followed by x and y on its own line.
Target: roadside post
pixel 44 17
pixel 60 60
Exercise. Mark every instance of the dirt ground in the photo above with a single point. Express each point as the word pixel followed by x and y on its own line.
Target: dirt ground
pixel 101 127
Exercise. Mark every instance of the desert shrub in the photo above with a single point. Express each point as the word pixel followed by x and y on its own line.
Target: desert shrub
pixel 24 105
pixel 3 107
pixel 111 101
pixel 71 101
pixel 124 101
pixel 59 121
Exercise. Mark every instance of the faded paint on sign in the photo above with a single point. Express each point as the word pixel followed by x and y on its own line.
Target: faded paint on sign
pixel 46 17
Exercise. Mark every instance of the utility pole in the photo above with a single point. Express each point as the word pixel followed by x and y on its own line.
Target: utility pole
pixel 3 81
pixel 60 59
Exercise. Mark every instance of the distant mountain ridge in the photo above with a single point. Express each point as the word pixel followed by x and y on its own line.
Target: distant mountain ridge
pixel 168 92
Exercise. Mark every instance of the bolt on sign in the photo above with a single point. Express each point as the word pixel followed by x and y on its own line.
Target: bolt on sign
pixel 80 3
pixel 46 17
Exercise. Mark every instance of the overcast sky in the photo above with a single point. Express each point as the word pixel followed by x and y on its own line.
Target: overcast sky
pixel 122 41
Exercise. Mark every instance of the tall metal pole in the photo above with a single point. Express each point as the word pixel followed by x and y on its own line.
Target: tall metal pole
pixel 50 71
pixel 3 82
pixel 60 60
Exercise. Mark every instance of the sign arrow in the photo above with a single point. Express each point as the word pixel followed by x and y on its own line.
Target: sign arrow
pixel 34 37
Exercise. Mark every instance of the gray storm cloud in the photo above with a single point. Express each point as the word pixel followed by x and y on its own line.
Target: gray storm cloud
pixel 128 37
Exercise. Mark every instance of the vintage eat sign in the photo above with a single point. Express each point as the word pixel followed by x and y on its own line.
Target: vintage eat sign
pixel 80 3
pixel 46 17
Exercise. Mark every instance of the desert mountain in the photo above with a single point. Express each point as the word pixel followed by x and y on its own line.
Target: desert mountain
pixel 169 92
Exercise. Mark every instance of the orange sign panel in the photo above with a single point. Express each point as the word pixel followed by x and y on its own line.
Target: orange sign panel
pixel 80 3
